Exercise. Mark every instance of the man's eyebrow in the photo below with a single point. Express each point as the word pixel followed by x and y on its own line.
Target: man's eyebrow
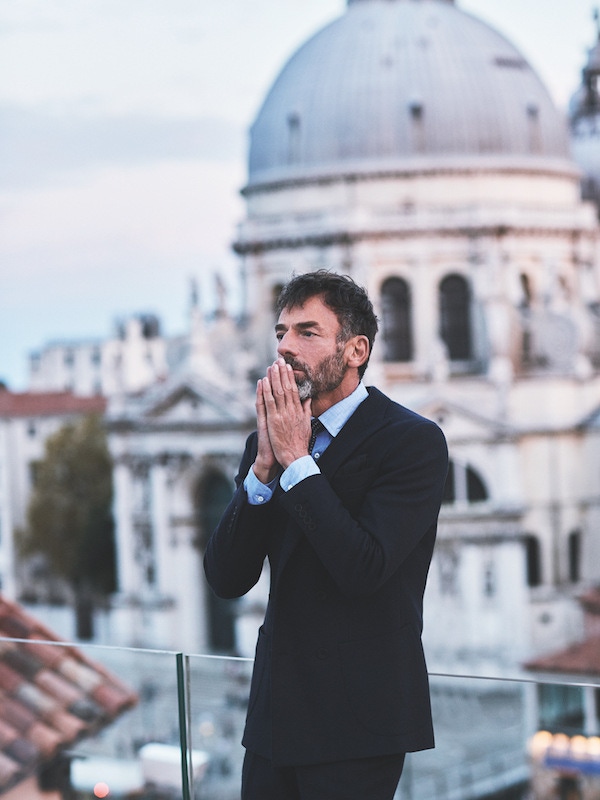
pixel 298 325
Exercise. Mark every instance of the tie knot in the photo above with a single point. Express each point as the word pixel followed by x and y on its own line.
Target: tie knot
pixel 316 426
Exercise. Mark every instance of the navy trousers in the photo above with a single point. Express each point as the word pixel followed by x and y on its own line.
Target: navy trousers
pixel 372 778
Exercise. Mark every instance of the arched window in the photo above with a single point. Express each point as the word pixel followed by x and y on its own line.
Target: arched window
pixel 533 558
pixel 455 317
pixel 476 491
pixel 396 320
pixel 215 494
pixel 463 485
pixel 574 547
pixel 449 492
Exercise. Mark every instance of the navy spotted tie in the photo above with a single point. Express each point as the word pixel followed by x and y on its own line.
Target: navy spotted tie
pixel 316 426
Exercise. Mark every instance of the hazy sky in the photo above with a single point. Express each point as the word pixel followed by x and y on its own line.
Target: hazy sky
pixel 123 145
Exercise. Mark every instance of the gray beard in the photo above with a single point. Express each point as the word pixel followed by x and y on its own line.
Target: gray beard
pixel 305 389
pixel 326 376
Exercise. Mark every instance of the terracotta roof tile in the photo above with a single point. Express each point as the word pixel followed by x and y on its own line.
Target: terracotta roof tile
pixel 86 710
pixel 15 713
pixel 40 404
pixel 110 698
pixel 22 662
pixel 9 770
pixel 79 674
pixel 51 695
pixel 58 687
pixel 591 601
pixel 7 733
pixel 22 751
pixel 46 739
pixel 582 658
pixel 13 628
pixel 39 702
pixel 61 720
pixel 47 654
pixel 10 680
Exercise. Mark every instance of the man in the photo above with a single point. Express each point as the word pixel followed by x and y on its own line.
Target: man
pixel 339 690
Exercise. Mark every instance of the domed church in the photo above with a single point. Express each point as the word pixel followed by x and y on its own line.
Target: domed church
pixel 411 146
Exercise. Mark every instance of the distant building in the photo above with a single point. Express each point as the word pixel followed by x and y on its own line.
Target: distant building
pixel 27 419
pixel 413 147
pixel 133 359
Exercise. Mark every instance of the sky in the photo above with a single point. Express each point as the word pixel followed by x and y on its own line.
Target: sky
pixel 123 144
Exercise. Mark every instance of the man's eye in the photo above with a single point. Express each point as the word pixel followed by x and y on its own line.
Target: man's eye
pixel 307 333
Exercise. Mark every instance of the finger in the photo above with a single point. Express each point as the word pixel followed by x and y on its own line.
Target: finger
pixel 276 384
pixel 293 386
pixel 284 372
pixel 261 411
pixel 267 393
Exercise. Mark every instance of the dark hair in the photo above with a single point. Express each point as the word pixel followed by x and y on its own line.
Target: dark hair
pixel 349 302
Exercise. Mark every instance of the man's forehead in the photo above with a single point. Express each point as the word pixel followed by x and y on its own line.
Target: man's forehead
pixel 313 309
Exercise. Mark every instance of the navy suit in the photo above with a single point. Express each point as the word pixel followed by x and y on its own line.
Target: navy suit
pixel 339 671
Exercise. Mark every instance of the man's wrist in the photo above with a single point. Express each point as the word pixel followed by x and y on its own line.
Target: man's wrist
pixel 265 474
pixel 287 459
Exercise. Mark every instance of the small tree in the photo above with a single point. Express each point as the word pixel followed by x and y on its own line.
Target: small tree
pixel 69 518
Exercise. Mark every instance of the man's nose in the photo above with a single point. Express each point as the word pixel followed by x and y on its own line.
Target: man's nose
pixel 284 346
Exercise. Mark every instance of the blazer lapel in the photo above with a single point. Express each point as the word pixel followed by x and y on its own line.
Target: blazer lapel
pixel 369 417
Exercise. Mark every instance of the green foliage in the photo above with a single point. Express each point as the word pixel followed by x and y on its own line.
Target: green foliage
pixel 69 517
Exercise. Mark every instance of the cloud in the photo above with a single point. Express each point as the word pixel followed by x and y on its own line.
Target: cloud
pixel 42 146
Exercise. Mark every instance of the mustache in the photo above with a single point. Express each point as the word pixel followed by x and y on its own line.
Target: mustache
pixel 297 365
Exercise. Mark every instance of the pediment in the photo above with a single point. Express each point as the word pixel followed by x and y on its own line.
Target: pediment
pixel 460 423
pixel 195 402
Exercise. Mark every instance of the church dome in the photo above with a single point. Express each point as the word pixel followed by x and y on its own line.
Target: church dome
pixel 392 83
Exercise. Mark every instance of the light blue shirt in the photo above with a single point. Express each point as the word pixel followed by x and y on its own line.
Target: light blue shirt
pixel 333 421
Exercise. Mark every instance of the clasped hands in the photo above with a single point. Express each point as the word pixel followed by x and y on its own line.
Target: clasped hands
pixel 283 422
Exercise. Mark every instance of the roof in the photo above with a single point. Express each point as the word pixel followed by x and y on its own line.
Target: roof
pixel 51 695
pixel 44 404
pixel 398 80
pixel 590 601
pixel 582 658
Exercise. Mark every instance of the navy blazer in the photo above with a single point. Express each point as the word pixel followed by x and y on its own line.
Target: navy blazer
pixel 339 671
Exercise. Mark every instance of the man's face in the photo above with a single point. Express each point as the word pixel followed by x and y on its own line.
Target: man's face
pixel 308 341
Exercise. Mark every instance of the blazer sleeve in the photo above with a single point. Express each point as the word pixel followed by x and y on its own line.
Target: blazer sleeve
pixel 237 548
pixel 400 501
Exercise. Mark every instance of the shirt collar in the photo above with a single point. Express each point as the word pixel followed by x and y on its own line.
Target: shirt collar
pixel 336 417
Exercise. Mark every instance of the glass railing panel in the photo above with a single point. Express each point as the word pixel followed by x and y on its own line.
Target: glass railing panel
pixel 488 742
pixel 143 744
pixel 94 721
pixel 181 738
pixel 482 727
pixel 217 703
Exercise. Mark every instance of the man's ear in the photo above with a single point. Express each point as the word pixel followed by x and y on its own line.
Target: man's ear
pixel 357 351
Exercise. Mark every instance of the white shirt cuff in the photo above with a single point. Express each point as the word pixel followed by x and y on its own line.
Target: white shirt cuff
pixel 298 470
pixel 258 493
